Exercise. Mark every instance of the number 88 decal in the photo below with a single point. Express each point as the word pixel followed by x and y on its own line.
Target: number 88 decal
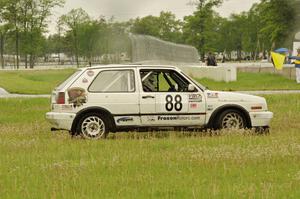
pixel 177 105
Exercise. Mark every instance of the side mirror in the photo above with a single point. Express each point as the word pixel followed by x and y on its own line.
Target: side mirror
pixel 191 88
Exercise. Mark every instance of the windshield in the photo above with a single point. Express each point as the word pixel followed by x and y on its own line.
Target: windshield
pixel 62 85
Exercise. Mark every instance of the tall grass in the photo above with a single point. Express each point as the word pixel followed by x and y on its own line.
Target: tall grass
pixel 35 163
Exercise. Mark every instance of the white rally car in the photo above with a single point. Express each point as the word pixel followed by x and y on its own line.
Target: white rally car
pixel 102 99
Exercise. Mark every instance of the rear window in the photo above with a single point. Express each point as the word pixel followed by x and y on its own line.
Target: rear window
pixel 114 81
pixel 62 85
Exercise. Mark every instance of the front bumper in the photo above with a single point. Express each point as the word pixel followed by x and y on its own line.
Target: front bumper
pixel 261 119
pixel 62 121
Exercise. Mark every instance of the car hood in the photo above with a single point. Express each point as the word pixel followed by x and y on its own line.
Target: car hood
pixel 234 97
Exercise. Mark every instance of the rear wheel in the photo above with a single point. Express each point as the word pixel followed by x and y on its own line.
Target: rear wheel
pixel 93 126
pixel 231 119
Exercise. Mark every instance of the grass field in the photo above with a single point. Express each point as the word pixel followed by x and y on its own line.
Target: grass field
pixel 35 163
pixel 252 82
pixel 43 82
pixel 33 81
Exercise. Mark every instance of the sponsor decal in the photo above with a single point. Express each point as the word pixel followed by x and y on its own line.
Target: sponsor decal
pixel 177 118
pixel 212 95
pixel 194 105
pixel 77 96
pixel 90 73
pixel 151 119
pixel 125 119
pixel 210 107
pixel 195 98
pixel 85 80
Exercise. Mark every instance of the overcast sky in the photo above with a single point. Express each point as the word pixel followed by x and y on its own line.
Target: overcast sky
pixel 126 9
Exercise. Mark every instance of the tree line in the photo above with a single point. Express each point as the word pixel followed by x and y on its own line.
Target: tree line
pixel 23 27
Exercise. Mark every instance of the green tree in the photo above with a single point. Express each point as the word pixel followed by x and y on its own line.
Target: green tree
pixel 3 35
pixel 146 26
pixel 201 28
pixel 277 21
pixel 170 28
pixel 56 42
pixel 89 37
pixel 37 13
pixel 28 20
pixel 234 35
pixel 73 22
pixel 165 27
pixel 10 13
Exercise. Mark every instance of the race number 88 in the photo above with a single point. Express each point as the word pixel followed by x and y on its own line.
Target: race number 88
pixel 170 105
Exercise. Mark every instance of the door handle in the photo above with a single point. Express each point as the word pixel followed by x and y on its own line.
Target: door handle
pixel 148 96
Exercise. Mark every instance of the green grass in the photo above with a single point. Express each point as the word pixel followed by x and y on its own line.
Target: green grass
pixel 253 81
pixel 35 163
pixel 33 81
pixel 43 82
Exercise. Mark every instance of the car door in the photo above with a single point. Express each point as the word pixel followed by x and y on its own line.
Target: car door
pixel 166 101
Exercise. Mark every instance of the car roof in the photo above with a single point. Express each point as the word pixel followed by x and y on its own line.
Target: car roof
pixel 129 66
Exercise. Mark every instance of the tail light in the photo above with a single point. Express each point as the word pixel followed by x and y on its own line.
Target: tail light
pixel 60 98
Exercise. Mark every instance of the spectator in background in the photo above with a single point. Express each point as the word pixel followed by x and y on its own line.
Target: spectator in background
pixel 297 65
pixel 211 60
pixel 223 58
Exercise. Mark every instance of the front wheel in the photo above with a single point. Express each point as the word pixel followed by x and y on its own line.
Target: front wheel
pixel 93 126
pixel 231 119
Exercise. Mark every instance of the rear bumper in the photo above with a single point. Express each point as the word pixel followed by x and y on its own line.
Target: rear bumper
pixel 62 121
pixel 261 119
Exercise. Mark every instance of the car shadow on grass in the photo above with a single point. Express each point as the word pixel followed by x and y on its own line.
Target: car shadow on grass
pixel 169 134
pixel 136 135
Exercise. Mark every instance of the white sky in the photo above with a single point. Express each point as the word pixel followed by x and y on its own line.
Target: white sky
pixel 127 9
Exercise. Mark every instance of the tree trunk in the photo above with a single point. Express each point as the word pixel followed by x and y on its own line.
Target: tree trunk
pixel 2 51
pixel 26 61
pixel 239 55
pixel 76 59
pixel 32 51
pixel 17 48
pixel 59 57
pixel 59 50
pixel 31 61
pixel 257 49
pixel 202 43
pixel 273 46
pixel 76 49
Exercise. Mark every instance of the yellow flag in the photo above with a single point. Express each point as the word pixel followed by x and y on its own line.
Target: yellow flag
pixel 278 60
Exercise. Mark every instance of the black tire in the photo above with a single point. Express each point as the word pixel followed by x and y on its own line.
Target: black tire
pixel 93 126
pixel 231 119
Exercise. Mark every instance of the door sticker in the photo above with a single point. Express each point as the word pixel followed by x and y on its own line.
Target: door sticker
pixel 175 103
pixel 195 98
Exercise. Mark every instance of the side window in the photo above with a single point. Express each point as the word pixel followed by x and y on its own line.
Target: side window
pixel 149 80
pixel 163 81
pixel 114 81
